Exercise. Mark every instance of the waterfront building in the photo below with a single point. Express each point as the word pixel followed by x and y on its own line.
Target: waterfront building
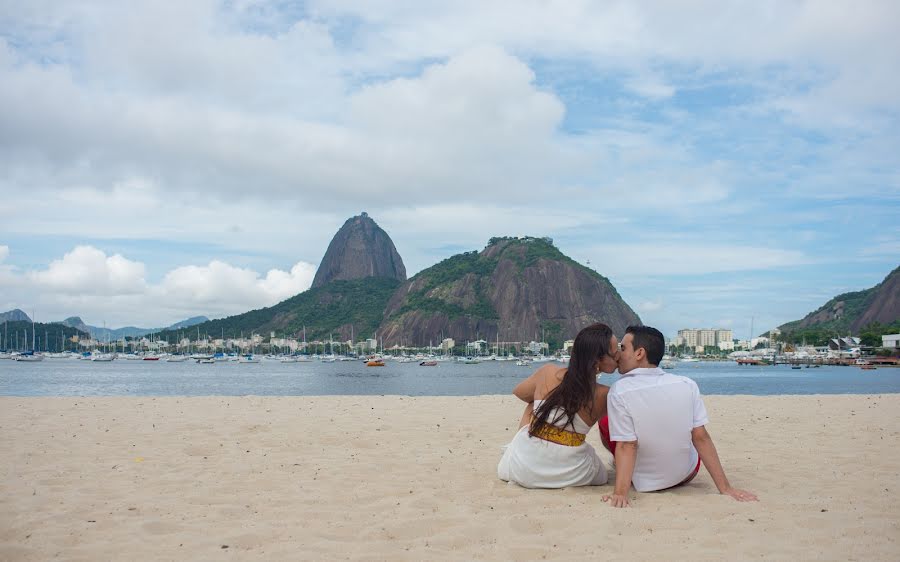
pixel 701 338
pixel 706 338
pixel 847 343
pixel 568 344
pixel 891 341
pixel 448 344
pixel 371 344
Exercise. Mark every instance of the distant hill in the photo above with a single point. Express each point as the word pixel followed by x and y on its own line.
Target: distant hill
pixel 53 337
pixel 14 316
pixel 360 249
pixel 101 333
pixel 516 289
pixel 192 321
pixel 850 313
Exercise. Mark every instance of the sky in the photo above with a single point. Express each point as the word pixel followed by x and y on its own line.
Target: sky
pixel 724 164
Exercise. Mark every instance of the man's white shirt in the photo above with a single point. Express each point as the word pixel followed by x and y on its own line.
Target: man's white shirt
pixel 658 410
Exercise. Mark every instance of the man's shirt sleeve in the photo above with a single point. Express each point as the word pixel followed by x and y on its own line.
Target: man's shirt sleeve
pixel 621 426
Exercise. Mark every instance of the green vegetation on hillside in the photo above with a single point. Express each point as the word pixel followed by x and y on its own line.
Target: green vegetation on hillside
pixel 855 304
pixel 322 310
pixel 446 272
pixel 47 337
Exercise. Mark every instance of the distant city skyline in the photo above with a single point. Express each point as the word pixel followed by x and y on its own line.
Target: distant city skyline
pixel 162 162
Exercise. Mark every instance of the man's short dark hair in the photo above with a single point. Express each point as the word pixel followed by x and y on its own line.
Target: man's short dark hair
pixel 651 340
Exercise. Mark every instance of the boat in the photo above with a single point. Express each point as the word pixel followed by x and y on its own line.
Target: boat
pixel 796 367
pixel 375 363
pixel 248 358
pixel 748 361
pixel 28 356
pixel 667 365
pixel 103 357
pixel 428 364
pixel 523 362
pixel 151 358
pixel 176 358
pixel 867 367
pixel 206 360
pixel 469 360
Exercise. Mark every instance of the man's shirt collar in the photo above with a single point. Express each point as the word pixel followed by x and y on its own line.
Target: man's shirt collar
pixel 644 371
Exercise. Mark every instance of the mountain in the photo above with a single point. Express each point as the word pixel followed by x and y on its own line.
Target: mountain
pixel 849 313
pixel 101 333
pixel 517 289
pixel 360 249
pixel 524 288
pixel 14 316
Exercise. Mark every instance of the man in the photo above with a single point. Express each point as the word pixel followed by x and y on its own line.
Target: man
pixel 656 426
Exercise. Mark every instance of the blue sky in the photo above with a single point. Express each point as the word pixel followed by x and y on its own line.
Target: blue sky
pixel 717 161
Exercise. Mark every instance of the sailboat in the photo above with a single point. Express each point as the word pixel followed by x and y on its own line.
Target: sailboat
pixel 30 356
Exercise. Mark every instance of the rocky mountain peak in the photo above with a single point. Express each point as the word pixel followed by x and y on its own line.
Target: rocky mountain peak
pixel 16 315
pixel 360 249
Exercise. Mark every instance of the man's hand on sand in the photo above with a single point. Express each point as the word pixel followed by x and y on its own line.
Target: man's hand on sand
pixel 617 500
pixel 741 495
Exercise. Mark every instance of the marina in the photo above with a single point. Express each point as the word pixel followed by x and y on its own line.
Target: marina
pixel 273 377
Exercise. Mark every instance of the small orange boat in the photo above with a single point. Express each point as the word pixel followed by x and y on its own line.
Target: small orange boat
pixel 375 363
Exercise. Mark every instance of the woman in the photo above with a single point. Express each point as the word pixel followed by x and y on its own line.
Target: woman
pixel 549 450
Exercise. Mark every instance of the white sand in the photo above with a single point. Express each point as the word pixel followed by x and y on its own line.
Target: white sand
pixel 399 478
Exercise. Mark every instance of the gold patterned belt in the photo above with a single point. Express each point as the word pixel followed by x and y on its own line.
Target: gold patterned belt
pixel 559 436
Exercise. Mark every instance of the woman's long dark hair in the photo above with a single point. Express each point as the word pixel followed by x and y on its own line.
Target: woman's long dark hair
pixel 576 391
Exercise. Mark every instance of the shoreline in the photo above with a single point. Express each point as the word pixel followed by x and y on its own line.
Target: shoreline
pixel 410 478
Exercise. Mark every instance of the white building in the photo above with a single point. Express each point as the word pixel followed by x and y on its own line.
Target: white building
pixel 448 344
pixel 891 341
pixel 705 337
pixel 371 344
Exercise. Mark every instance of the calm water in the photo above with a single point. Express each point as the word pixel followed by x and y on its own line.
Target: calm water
pixel 61 377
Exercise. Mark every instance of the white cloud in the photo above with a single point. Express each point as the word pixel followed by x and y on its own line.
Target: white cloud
pixel 88 271
pixel 4 253
pixel 650 306
pixel 112 289
pixel 226 287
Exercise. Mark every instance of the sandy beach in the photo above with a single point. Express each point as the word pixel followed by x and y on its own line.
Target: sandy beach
pixel 400 478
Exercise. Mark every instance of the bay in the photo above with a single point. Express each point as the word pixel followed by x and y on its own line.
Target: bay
pixel 61 377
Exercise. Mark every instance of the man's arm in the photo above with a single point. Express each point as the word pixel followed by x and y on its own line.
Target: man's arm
pixel 707 450
pixel 626 453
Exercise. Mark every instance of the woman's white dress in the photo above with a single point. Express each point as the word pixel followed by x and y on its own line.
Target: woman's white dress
pixel 532 462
